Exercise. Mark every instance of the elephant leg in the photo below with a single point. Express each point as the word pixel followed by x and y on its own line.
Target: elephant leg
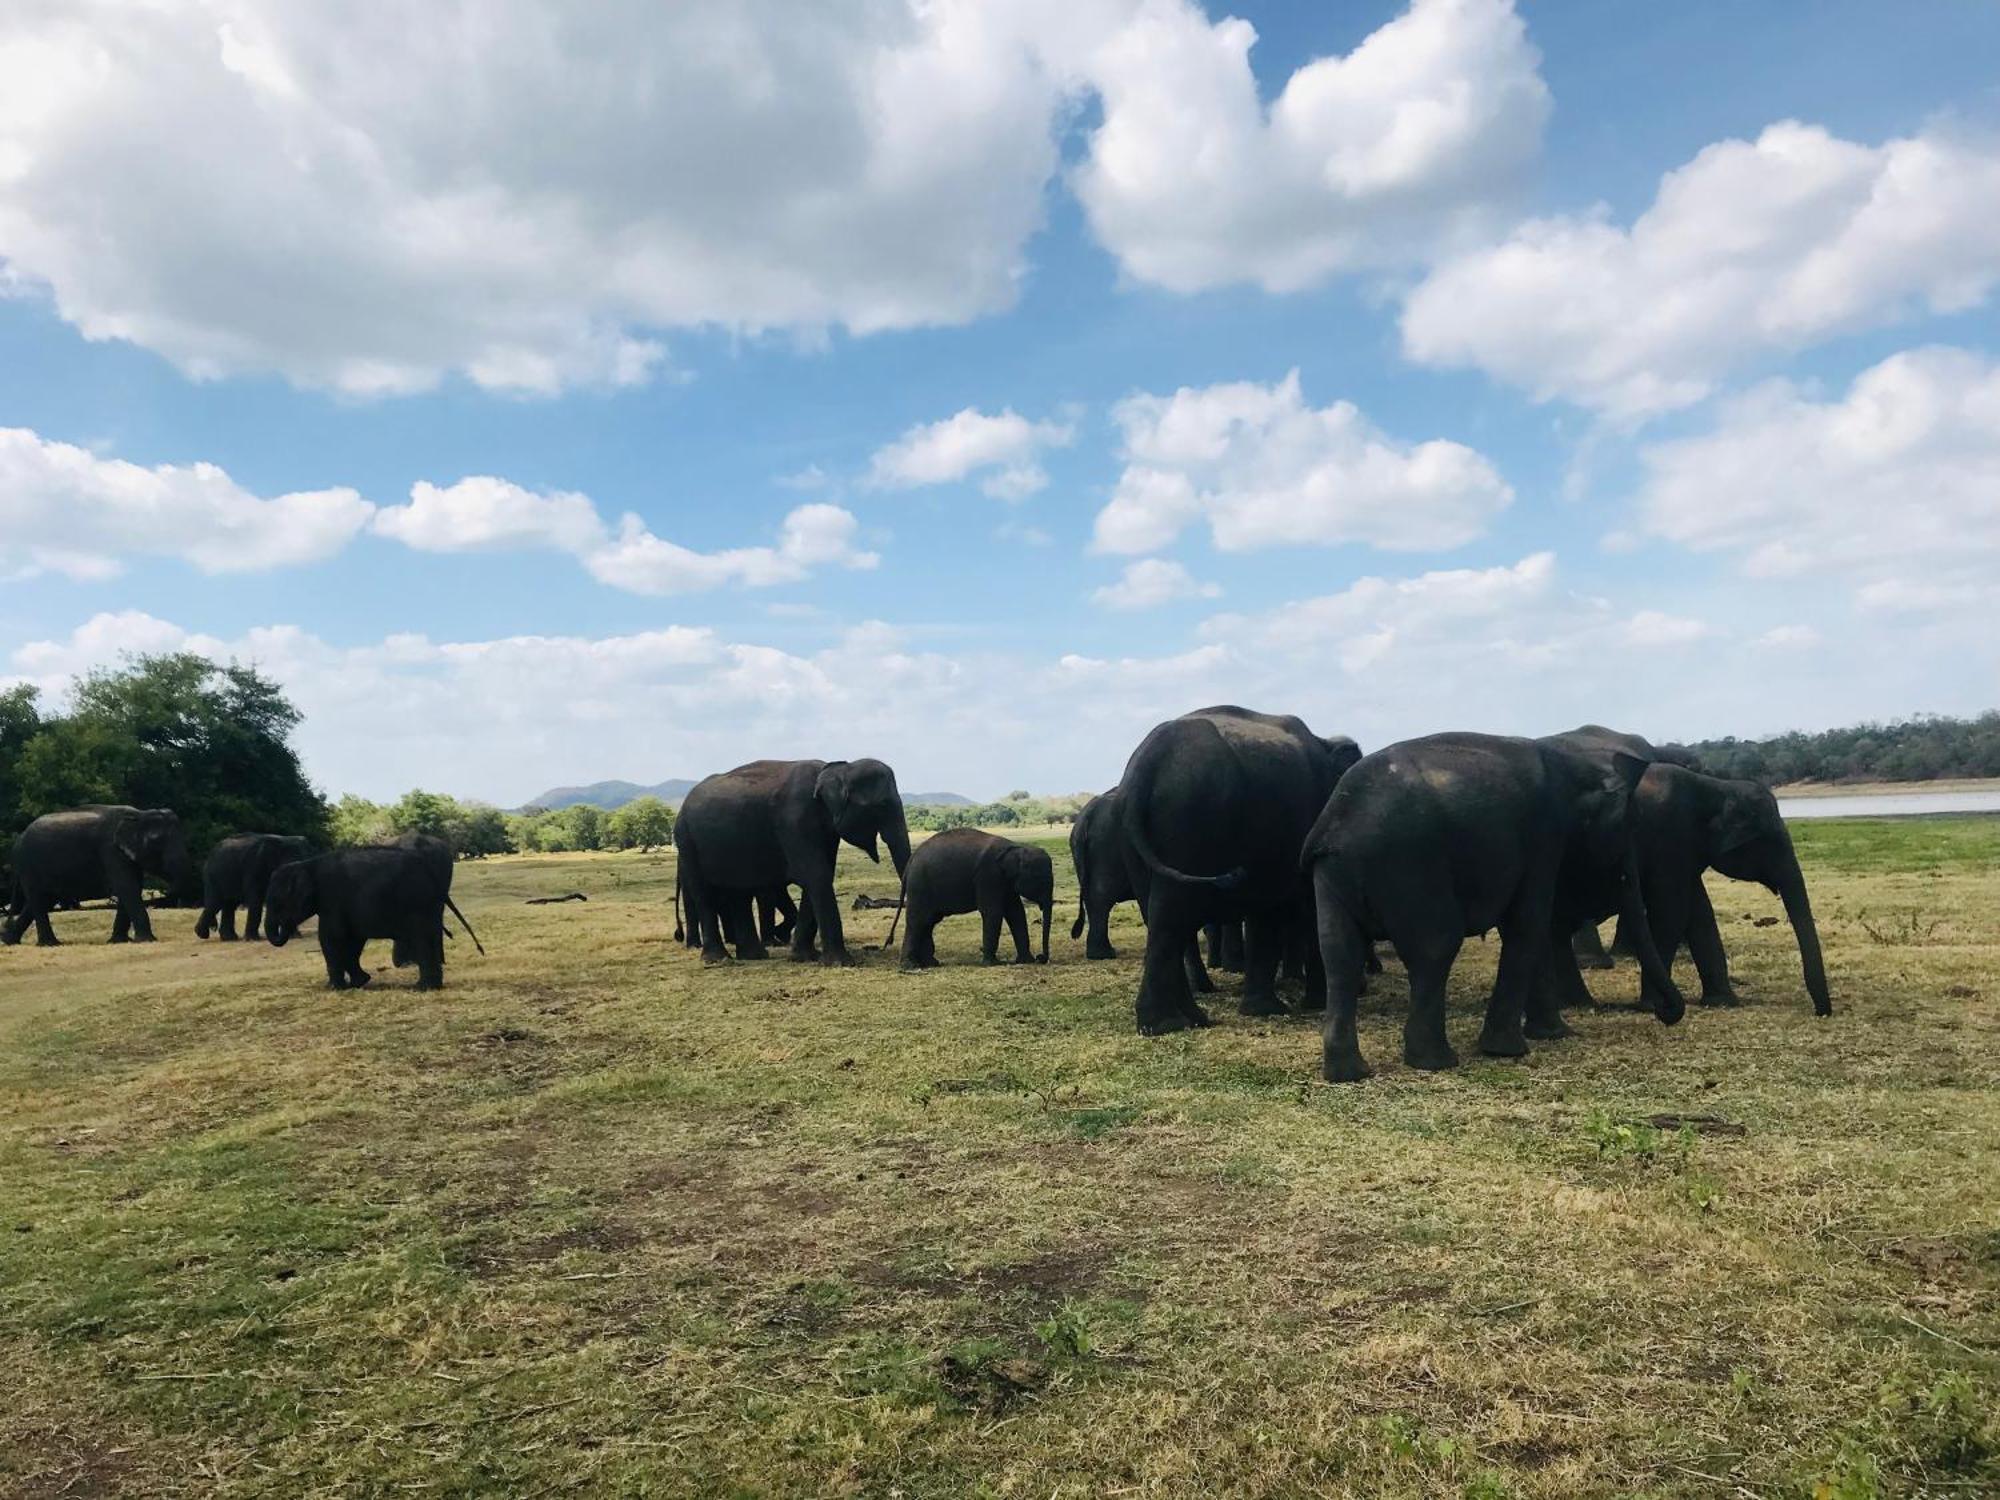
pixel 205 923
pixel 1588 946
pixel 333 951
pixel 1341 947
pixel 229 925
pixel 990 915
pixel 1622 943
pixel 1196 975
pixel 1017 924
pixel 121 925
pixel 805 936
pixel 1166 1003
pixel 1524 938
pixel 430 960
pixel 919 947
pixel 701 908
pixel 253 920
pixel 1097 914
pixel 1428 955
pixel 357 976
pixel 1262 953
pixel 1211 934
pixel 743 920
pixel 1557 983
pixel 1235 951
pixel 787 916
pixel 142 920
pixel 825 908
pixel 45 932
pixel 1667 908
pixel 1704 940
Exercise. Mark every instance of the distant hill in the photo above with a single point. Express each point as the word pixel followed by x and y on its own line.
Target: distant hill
pixel 611 795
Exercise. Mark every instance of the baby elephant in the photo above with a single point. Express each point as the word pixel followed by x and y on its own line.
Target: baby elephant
pixel 964 870
pixel 359 894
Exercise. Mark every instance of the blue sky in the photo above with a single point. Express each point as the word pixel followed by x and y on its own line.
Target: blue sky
pixel 1645 371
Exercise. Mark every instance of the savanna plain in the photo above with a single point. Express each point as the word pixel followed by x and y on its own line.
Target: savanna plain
pixel 597 1220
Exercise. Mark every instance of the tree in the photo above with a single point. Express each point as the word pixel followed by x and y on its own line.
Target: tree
pixel 481 830
pixel 424 812
pixel 357 821
pixel 20 721
pixel 586 826
pixel 643 823
pixel 211 742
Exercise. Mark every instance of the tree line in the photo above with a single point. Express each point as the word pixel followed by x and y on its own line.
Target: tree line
pixel 477 829
pixel 1927 748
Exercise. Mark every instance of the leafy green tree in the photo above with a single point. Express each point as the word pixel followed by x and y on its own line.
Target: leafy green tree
pixel 211 742
pixel 357 821
pixel 424 812
pixel 20 721
pixel 480 830
pixel 643 823
pixel 586 826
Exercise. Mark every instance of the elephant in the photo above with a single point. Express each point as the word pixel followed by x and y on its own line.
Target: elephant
pixel 89 852
pixel 1686 822
pixel 236 874
pixel 781 823
pixel 1587 943
pixel 966 869
pixel 1215 807
pixel 1430 841
pixel 1097 850
pixel 777 916
pixel 358 894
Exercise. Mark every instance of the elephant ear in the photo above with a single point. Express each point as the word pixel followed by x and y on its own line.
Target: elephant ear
pixel 1629 769
pixel 831 791
pixel 130 839
pixel 1735 825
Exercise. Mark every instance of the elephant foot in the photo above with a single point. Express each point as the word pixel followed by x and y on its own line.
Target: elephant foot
pixel 1596 961
pixel 425 984
pixel 989 960
pixel 1547 1028
pixel 1106 951
pixel 1506 1041
pixel 1039 958
pixel 360 979
pixel 838 958
pixel 1344 1065
pixel 229 937
pixel 116 937
pixel 1725 999
pixel 1263 1005
pixel 711 957
pixel 1163 1024
pixel 755 956
pixel 48 942
pixel 1434 1058
pixel 805 955
pixel 1202 986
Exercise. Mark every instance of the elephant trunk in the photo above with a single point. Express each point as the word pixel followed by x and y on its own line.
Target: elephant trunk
pixel 1798 908
pixel 896 834
pixel 1671 1006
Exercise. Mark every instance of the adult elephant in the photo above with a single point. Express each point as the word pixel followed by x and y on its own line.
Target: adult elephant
pixel 87 853
pixel 1433 840
pixel 236 874
pixel 782 822
pixel 1686 822
pixel 1214 807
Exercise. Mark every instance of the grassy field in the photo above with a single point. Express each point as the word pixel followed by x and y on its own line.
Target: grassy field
pixel 597 1221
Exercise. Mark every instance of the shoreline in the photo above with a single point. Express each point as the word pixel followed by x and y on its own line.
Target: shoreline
pixel 1810 789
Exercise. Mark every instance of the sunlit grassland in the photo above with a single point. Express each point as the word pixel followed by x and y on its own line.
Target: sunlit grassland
pixel 597 1220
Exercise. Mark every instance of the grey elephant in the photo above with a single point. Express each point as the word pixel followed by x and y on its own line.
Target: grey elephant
pixel 781 822
pixel 1214 807
pixel 1433 840
pixel 359 894
pixel 1684 823
pixel 86 853
pixel 966 869
pixel 442 862
pixel 1097 850
pixel 236 874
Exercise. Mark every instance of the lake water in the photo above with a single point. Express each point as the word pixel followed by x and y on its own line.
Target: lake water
pixel 1892 804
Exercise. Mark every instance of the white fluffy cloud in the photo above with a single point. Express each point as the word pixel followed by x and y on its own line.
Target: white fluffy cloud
pixel 482 512
pixel 1895 485
pixel 65 510
pixel 1151 582
pixel 1192 181
pixel 371 196
pixel 1265 469
pixel 1005 449
pixel 1752 247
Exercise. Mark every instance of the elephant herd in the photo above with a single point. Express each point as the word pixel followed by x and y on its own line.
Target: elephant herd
pixel 1305 852
pixel 398 891
pixel 1293 852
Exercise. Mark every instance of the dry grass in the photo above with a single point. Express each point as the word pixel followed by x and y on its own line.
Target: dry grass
pixel 598 1221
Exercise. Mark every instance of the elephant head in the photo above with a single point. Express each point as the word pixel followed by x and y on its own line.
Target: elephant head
pixel 152 839
pixel 861 801
pixel 1609 835
pixel 1344 752
pixel 292 898
pixel 1032 874
pixel 1748 840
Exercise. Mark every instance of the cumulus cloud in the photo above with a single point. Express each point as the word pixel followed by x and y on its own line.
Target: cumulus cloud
pixel 483 512
pixel 1265 469
pixel 1895 484
pixel 296 188
pixel 1750 248
pixel 1151 582
pixel 63 509
pixel 1004 448
pixel 1193 182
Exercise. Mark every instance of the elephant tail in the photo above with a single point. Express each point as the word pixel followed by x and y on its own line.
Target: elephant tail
pixel 1133 809
pixel 465 924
